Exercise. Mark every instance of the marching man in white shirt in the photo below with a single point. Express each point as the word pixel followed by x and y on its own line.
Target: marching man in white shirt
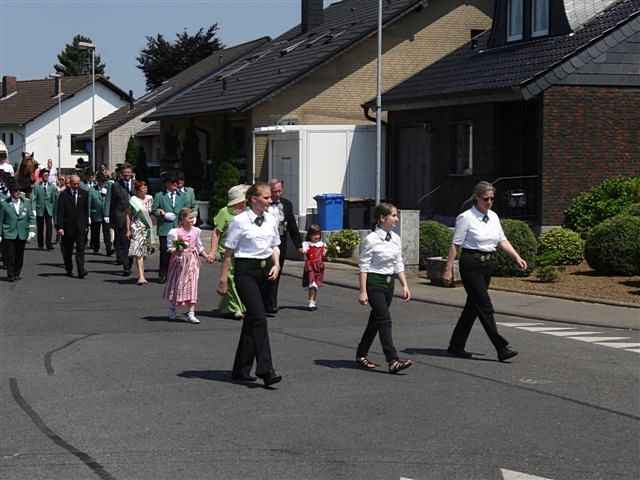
pixel 380 262
pixel 252 244
pixel 478 233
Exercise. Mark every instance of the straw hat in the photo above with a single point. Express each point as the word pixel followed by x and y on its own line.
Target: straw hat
pixel 3 147
pixel 237 194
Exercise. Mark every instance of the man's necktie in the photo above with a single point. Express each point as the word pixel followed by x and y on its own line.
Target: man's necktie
pixel 173 199
pixel 388 237
pixel 259 220
pixel 75 197
pixel 485 219
pixel 45 188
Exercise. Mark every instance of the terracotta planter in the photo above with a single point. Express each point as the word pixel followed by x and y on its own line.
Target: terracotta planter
pixel 435 268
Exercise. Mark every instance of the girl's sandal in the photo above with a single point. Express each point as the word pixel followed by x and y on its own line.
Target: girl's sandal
pixel 363 362
pixel 397 365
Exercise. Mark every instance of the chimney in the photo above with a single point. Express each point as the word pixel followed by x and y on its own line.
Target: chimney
pixel 312 14
pixel 9 85
pixel 131 100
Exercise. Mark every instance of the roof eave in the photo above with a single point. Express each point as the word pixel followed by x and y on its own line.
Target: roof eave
pixel 508 94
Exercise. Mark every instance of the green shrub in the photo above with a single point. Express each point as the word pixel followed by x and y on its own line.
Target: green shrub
pixel 226 176
pixel 633 210
pixel 548 273
pixel 435 240
pixel 564 245
pixel 613 247
pixel 341 244
pixel 524 241
pixel 606 200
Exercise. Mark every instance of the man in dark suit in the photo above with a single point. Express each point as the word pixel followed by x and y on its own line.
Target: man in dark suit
pixel 121 192
pixel 72 223
pixel 282 210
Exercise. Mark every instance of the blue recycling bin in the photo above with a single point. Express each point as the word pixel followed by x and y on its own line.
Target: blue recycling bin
pixel 330 210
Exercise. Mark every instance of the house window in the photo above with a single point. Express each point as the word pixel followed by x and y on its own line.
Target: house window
pixel 514 20
pixel 11 139
pixel 4 137
pixel 539 17
pixel 462 136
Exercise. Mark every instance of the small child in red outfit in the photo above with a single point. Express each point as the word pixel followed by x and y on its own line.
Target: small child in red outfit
pixel 314 250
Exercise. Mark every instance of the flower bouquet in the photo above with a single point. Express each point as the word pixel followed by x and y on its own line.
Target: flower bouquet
pixel 180 244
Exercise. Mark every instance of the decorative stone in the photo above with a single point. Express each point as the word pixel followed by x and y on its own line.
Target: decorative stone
pixel 435 269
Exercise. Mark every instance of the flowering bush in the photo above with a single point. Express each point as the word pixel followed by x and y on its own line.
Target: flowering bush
pixel 341 244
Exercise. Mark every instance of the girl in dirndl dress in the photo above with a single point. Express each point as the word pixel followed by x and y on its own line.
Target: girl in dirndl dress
pixel 314 251
pixel 185 246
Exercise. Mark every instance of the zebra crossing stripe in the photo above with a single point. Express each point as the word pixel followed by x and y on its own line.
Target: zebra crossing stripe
pixel 518 324
pixel 634 350
pixel 570 333
pixel 619 345
pixel 543 329
pixel 598 339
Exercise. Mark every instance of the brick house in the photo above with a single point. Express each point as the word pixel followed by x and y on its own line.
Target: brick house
pixel 546 103
pixel 319 72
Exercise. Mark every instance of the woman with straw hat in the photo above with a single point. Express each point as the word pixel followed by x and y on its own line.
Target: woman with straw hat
pixel 230 304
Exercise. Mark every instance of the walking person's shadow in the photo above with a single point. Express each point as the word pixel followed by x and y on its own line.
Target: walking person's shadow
pixel 223 376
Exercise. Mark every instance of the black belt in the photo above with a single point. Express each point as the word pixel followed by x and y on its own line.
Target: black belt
pixel 250 264
pixel 484 256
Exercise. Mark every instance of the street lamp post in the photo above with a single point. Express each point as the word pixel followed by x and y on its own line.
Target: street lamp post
pixel 379 106
pixel 92 47
pixel 58 78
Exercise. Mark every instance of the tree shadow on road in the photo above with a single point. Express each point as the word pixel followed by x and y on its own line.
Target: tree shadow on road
pixel 46 264
pixel 223 376
pixel 124 281
pixel 295 307
pixel 163 318
pixel 442 352
pixel 46 275
pixel 346 364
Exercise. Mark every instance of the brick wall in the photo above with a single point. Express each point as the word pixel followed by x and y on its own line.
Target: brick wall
pixel 589 134
pixel 334 93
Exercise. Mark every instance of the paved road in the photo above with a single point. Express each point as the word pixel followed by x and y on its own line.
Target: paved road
pixel 95 383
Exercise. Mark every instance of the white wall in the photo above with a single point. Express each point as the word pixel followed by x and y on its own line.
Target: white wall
pixel 76 118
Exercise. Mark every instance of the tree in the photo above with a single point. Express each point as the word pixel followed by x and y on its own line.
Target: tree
pixel 76 61
pixel 137 158
pixel 161 59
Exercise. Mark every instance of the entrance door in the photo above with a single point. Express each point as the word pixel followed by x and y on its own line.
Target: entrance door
pixel 285 165
pixel 412 166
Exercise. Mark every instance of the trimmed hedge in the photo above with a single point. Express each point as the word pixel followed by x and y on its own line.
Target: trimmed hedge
pixel 524 241
pixel 612 197
pixel 633 210
pixel 435 240
pixel 564 246
pixel 613 247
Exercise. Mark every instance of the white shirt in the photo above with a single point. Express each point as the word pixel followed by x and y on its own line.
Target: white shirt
pixel 16 205
pixel 248 240
pixel 277 210
pixel 306 245
pixel 381 256
pixel 7 167
pixel 53 175
pixel 475 232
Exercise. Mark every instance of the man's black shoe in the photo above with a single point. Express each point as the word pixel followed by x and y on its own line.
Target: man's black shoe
pixel 109 253
pixel 82 274
pixel 69 273
pixel 270 379
pixel 506 353
pixel 459 352
pixel 162 279
pixel 243 378
pixel 126 273
pixel 11 279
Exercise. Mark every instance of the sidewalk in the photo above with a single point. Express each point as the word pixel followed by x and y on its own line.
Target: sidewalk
pixel 531 307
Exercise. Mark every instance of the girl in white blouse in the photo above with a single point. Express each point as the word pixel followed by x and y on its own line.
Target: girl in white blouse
pixel 478 233
pixel 380 262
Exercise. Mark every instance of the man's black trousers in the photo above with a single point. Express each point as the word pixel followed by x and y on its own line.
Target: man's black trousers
pixel 106 236
pixel 44 227
pixel 77 240
pixel 13 251
pixel 122 244
pixel 252 285
pixel 476 277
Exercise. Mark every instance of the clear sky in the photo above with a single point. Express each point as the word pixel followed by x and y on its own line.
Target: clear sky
pixel 33 32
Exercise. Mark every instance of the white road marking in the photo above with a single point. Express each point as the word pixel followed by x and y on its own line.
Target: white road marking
pixel 543 329
pixel 598 339
pixel 634 350
pixel 570 333
pixel 513 475
pixel 518 324
pixel 619 345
